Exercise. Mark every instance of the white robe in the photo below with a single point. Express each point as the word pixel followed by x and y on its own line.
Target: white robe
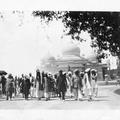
pixel 87 87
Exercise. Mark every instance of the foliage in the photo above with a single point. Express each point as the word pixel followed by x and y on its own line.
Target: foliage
pixel 104 27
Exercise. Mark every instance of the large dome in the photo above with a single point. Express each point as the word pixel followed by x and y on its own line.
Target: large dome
pixel 71 49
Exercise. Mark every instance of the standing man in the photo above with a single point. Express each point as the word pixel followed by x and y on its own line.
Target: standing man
pixel 39 84
pixel 61 84
pixel 77 85
pixel 94 82
pixel 9 87
pixel 3 81
pixel 0 88
pixel 38 79
pixel 70 83
pixel 26 87
pixel 32 85
pixel 15 83
pixel 82 81
pixel 87 83
pixel 21 85
pixel 47 87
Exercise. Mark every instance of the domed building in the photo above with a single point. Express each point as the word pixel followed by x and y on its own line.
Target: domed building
pixel 70 60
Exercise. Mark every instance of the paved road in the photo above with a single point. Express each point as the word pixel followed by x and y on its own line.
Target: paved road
pixel 108 99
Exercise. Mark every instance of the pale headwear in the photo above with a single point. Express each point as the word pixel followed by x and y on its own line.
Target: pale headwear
pixel 69 73
pixel 87 70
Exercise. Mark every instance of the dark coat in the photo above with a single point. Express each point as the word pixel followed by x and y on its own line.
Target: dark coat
pixel 47 87
pixel 3 81
pixel 9 85
pixel 22 85
pixel 26 86
pixel 40 81
pixel 61 83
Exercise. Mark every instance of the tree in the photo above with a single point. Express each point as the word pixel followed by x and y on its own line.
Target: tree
pixel 104 27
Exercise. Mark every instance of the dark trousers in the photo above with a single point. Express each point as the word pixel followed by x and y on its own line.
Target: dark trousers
pixel 3 90
pixel 26 94
pixel 15 91
pixel 8 95
pixel 62 95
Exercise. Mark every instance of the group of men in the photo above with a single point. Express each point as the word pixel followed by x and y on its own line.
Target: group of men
pixel 26 86
pixel 75 84
pixel 78 84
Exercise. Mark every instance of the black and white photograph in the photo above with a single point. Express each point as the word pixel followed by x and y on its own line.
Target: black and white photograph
pixel 54 60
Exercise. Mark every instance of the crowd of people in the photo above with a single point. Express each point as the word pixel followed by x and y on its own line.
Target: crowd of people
pixel 75 84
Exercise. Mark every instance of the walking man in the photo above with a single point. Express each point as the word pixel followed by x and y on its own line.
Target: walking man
pixel 39 84
pixel 94 82
pixel 87 83
pixel 61 85
pixel 77 85
pixel 9 87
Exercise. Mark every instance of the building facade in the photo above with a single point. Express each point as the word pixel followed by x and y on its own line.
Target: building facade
pixel 71 60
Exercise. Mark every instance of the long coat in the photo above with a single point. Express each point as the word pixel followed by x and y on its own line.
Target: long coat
pixel 87 81
pixel 9 85
pixel 40 82
pixel 61 83
pixel 76 82
pixel 22 85
pixel 3 81
pixel 47 84
pixel 26 86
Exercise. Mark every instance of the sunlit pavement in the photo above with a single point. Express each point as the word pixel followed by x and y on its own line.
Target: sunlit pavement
pixel 108 98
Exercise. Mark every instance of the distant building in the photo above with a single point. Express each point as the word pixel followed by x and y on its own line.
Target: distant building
pixel 71 60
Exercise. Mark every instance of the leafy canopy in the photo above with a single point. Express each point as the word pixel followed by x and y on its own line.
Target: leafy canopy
pixel 104 27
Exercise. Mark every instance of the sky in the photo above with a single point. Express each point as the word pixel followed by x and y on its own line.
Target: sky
pixel 25 41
